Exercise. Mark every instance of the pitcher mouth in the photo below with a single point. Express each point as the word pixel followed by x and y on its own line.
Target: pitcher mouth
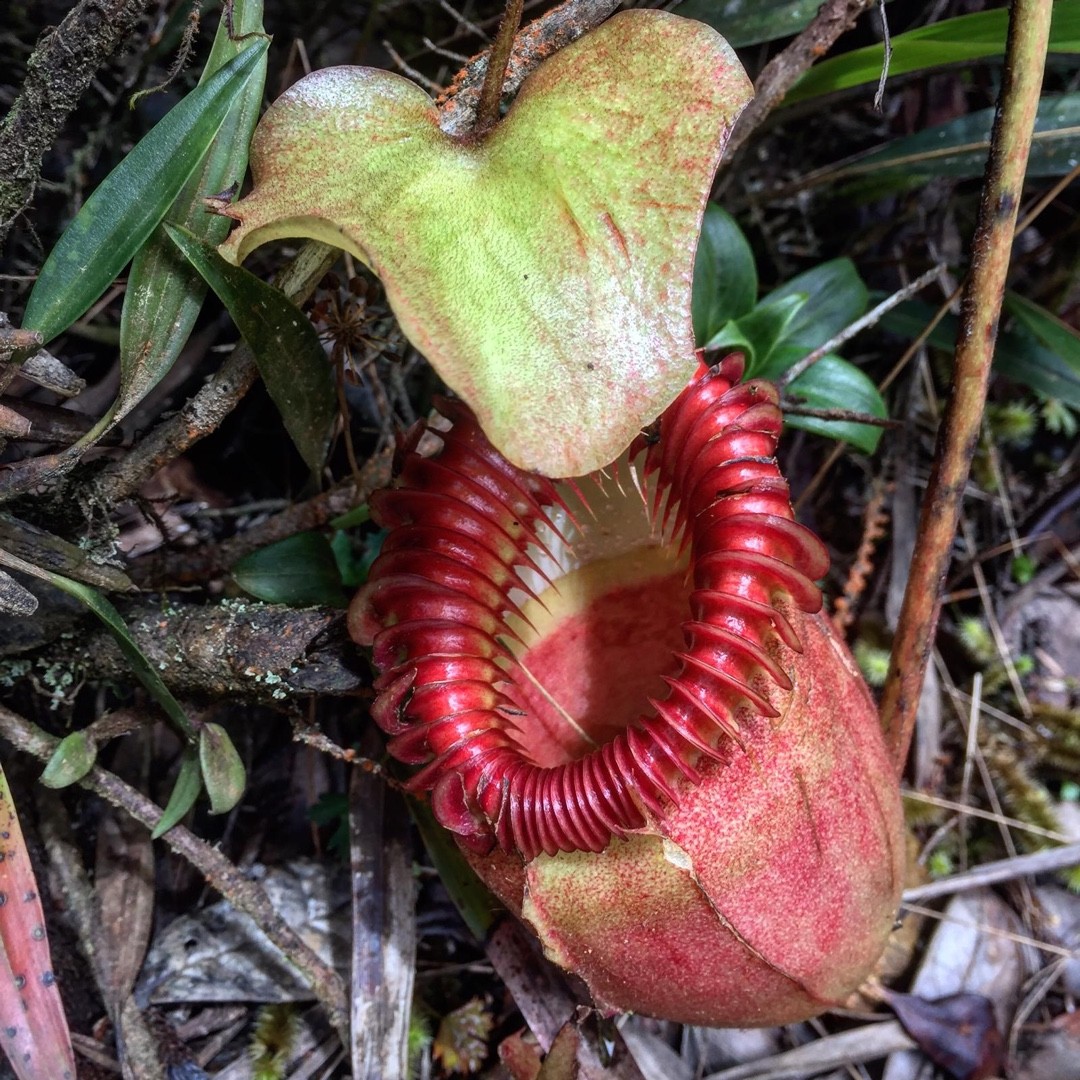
pixel 560 656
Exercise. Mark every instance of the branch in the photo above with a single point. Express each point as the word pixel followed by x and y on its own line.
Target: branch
pixel 57 73
pixel 235 651
pixel 779 75
pixel 199 565
pixel 1010 143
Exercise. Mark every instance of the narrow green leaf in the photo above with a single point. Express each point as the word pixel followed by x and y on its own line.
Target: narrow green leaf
pixel 834 383
pixel 73 758
pixel 131 200
pixel 184 793
pixel 1017 355
pixel 725 277
pixel 141 667
pixel 300 571
pixel 164 294
pixel 980 36
pixel 731 339
pixel 222 770
pixel 745 23
pixel 1058 336
pixel 958 149
pixel 469 894
pixel 286 347
pixel 835 296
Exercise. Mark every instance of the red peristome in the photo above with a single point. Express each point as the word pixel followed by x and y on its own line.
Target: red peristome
pixel 462 524
pixel 648 743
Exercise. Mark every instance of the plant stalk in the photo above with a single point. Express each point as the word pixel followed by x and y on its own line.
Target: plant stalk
pixel 1010 143
pixel 487 111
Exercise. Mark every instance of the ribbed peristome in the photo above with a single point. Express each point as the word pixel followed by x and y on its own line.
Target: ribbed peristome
pixel 472 540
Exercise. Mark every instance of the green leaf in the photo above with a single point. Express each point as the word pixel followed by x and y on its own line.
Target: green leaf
pixel 980 36
pixel 300 571
pixel 1058 336
pixel 545 270
pixel 834 383
pixel 164 294
pixel 127 205
pixel 725 277
pixel 72 759
pixel 223 772
pixel 835 296
pixel 1017 354
pixel 141 667
pixel 759 332
pixel 358 515
pixel 744 23
pixel 286 348
pixel 351 559
pixel 184 793
pixel 779 358
pixel 959 147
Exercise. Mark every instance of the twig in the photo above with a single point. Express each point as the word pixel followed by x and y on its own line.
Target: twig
pixel 992 931
pixel 871 318
pixel 867 1042
pixel 407 69
pixel 230 652
pixel 548 34
pixel 791 406
pixel 244 894
pixel 1010 143
pixel 886 38
pixel 780 74
pixel 57 73
pixel 994 873
pixel 201 564
pixel 461 20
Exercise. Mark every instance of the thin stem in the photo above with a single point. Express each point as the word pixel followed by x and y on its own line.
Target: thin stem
pixel 554 30
pixel 871 318
pixel 487 111
pixel 1010 144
